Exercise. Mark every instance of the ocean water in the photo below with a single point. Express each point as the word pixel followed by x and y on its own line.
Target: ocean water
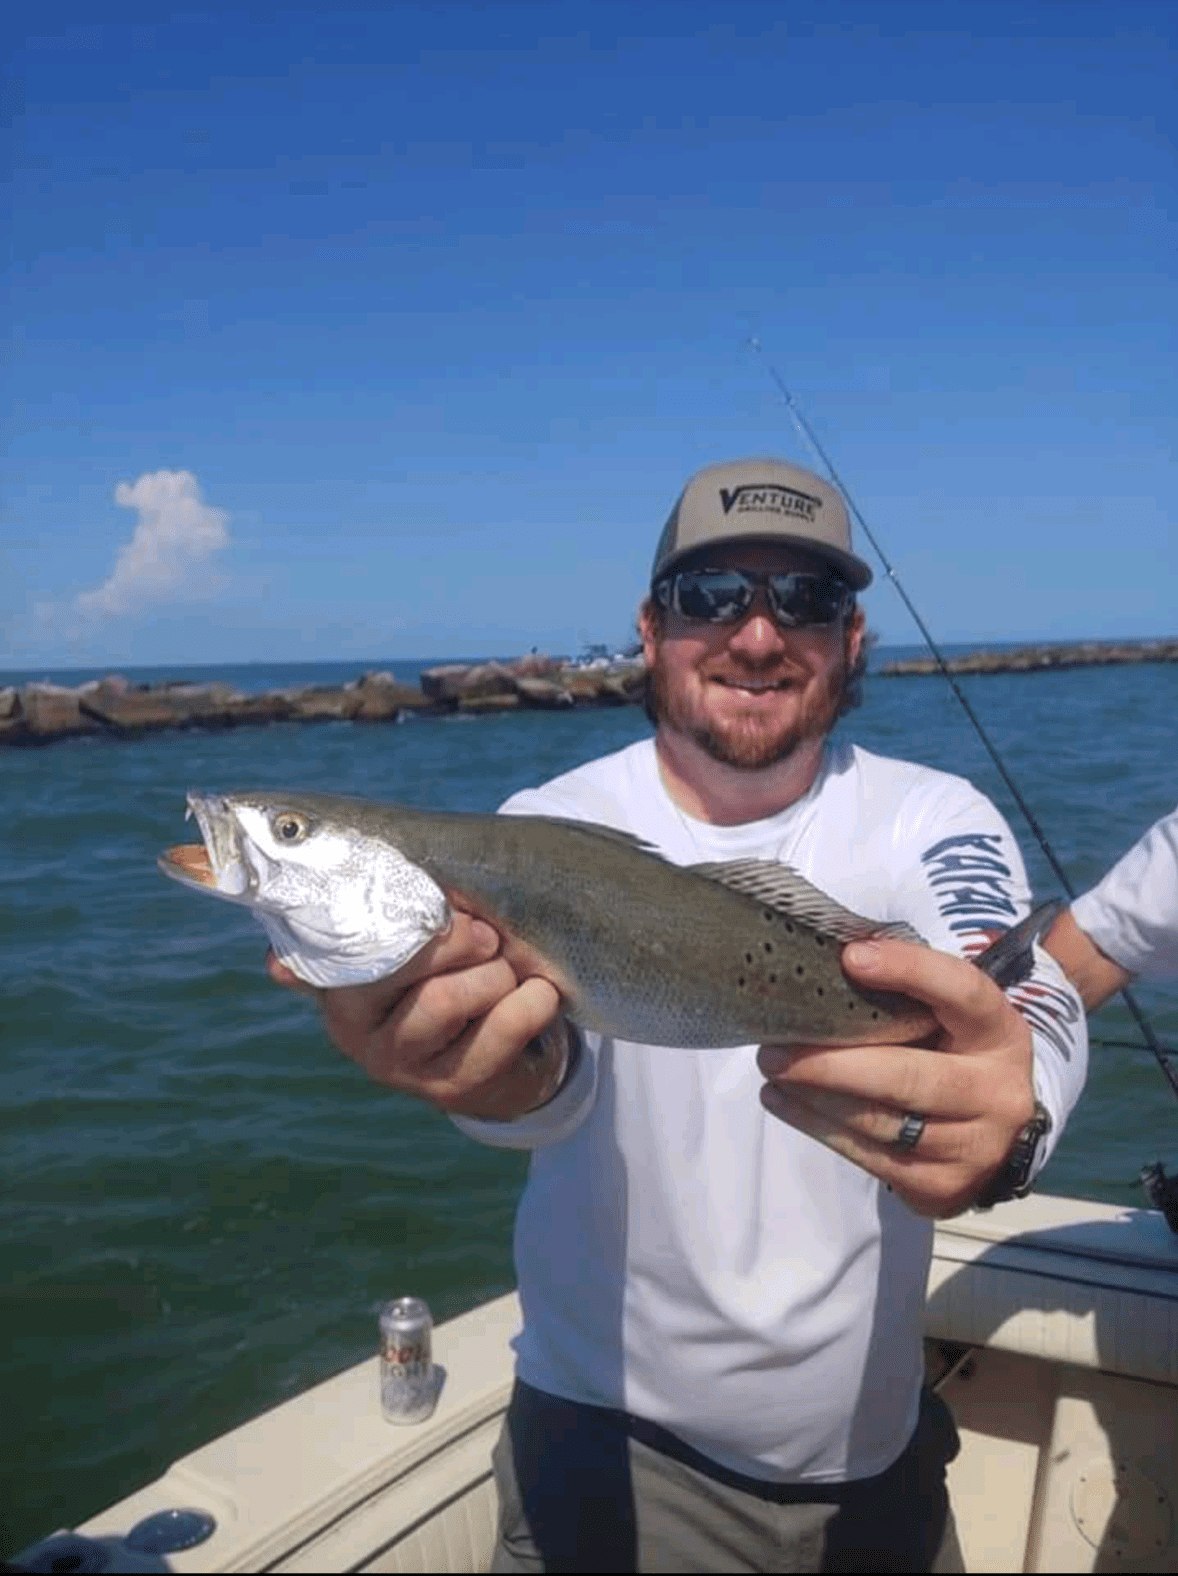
pixel 204 1205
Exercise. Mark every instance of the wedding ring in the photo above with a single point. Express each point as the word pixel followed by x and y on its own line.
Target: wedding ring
pixel 910 1130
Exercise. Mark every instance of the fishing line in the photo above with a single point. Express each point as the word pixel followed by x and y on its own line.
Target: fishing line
pixel 1118 1045
pixel 811 440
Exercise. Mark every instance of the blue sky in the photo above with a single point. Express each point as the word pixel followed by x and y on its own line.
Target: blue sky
pixel 395 331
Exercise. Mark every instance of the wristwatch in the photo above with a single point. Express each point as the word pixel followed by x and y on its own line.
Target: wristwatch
pixel 554 1055
pixel 1013 1178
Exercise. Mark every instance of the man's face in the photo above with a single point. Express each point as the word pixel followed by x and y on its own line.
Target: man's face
pixel 749 694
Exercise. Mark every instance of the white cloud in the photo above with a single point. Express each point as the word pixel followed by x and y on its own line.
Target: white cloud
pixel 176 535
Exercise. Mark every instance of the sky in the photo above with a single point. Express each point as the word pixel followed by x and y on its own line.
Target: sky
pixel 396 331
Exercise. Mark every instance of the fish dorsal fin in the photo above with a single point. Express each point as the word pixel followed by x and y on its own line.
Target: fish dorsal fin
pixel 610 834
pixel 781 887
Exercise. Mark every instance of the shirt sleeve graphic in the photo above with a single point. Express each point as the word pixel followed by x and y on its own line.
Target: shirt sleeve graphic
pixel 974 888
pixel 971 880
pixel 1049 1005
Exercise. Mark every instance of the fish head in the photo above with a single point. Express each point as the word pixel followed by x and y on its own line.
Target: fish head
pixel 341 904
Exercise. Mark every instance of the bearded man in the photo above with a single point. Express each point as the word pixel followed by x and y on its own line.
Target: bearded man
pixel 722 1254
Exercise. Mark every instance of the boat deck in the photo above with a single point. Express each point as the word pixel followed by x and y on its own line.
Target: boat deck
pixel 1052 1331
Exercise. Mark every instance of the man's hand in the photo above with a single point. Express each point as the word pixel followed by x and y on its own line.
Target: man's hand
pixel 452 1027
pixel 971 1082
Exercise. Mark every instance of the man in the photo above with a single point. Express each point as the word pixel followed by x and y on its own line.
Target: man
pixel 722 1255
pixel 1127 925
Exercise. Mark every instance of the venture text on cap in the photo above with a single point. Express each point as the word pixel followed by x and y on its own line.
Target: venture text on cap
pixel 761 500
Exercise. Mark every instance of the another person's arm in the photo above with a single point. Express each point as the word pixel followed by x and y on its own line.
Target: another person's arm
pixel 1094 975
pixel 1127 925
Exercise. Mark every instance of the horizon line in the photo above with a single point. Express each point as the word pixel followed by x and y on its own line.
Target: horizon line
pixel 113 666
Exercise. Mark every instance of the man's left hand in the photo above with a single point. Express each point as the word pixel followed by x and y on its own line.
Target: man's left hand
pixel 971 1081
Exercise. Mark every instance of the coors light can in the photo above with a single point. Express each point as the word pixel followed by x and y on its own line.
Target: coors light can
pixel 408 1388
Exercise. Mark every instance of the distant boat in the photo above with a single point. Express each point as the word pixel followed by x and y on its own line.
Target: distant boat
pixel 596 654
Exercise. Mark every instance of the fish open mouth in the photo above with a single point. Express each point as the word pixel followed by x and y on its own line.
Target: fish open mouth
pixel 219 864
pixel 189 862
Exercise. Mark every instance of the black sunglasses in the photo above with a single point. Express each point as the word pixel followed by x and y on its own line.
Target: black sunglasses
pixel 724 596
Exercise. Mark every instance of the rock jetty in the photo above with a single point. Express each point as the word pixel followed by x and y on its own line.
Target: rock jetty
pixel 1040 659
pixel 116 708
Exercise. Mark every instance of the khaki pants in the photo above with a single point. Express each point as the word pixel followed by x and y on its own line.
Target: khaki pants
pixel 580 1490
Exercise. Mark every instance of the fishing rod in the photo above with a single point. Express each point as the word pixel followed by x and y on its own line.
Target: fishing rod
pixel 811 439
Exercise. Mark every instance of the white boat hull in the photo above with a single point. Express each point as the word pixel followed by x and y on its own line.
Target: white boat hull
pixel 1052 1331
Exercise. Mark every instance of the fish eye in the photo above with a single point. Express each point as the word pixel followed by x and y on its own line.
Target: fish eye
pixel 290 827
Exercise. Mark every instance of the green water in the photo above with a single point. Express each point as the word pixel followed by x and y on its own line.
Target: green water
pixel 204 1205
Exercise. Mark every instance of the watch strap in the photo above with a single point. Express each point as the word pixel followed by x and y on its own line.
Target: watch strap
pixel 1014 1177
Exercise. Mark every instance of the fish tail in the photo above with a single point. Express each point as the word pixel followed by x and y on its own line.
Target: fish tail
pixel 1009 960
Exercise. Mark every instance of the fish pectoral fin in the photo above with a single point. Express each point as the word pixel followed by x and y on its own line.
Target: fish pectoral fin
pixel 781 887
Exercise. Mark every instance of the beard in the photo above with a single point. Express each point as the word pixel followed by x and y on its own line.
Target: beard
pixel 751 742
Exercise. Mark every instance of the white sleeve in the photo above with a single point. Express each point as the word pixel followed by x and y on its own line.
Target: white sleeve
pixel 965 886
pixel 1132 914
pixel 557 1120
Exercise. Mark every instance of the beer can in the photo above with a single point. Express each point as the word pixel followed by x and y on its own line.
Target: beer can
pixel 408 1380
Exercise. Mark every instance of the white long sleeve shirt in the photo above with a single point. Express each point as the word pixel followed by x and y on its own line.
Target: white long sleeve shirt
pixel 684 1255
pixel 1132 913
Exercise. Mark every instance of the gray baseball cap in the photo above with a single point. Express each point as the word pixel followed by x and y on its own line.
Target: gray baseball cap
pixel 761 501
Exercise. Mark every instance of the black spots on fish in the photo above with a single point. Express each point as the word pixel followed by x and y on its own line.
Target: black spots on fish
pixel 852 1005
pixel 771 966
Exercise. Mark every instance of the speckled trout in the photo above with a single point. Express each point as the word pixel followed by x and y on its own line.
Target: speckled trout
pixel 349 890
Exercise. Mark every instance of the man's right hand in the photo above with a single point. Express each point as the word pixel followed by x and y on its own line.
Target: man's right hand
pixel 453 1027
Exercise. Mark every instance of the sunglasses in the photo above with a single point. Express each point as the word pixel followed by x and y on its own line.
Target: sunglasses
pixel 724 596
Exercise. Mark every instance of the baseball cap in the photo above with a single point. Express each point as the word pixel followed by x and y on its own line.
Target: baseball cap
pixel 761 501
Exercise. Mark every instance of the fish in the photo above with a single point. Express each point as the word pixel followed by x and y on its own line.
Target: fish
pixel 713 955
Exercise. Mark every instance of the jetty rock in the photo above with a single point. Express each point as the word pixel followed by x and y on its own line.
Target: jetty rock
pixel 375 697
pixel 455 682
pixel 543 694
pixel 535 681
pixel 117 704
pixel 115 708
pixel 458 682
pixel 39 712
pixel 380 696
pixel 1040 658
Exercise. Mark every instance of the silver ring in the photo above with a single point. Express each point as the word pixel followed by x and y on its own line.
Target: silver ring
pixel 909 1135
